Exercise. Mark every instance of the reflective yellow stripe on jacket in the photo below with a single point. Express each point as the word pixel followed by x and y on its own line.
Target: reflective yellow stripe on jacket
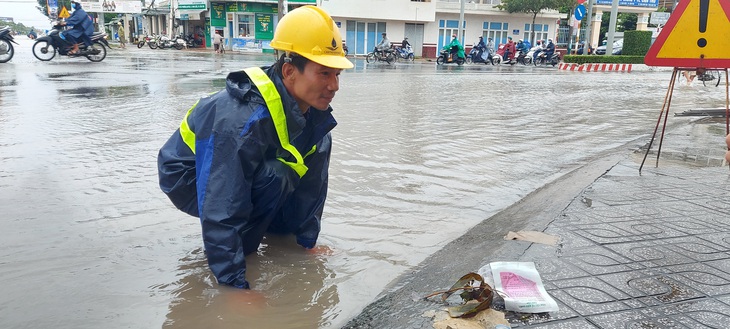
pixel 276 110
pixel 188 136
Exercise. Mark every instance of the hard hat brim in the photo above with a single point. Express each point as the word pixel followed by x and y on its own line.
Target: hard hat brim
pixel 335 62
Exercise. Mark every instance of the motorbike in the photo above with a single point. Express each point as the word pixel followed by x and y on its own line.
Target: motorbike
pixel 344 47
pixel 445 55
pixel 478 56
pixel 6 45
pixel 523 58
pixel 387 55
pixel 148 40
pixel 503 56
pixel 191 42
pixel 543 60
pixel 45 47
pixel 404 53
pixel 163 42
pixel 178 42
pixel 531 55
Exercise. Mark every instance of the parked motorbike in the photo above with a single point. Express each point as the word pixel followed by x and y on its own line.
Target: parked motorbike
pixel 6 45
pixel 148 40
pixel 178 42
pixel 543 60
pixel 445 55
pixel 404 53
pixel 191 41
pixel 344 47
pixel 45 47
pixel 376 55
pixel 163 42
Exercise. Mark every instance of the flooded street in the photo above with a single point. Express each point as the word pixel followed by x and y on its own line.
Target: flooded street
pixel 421 154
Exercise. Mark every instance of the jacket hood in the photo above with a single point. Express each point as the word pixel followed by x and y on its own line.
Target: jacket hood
pixel 239 85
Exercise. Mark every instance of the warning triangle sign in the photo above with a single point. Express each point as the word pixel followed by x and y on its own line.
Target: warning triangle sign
pixel 697 35
pixel 64 13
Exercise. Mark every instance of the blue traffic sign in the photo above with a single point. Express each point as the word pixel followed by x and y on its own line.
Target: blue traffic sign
pixel 580 11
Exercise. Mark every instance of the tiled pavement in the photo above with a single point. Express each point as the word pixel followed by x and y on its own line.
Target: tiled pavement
pixel 649 251
pixel 637 251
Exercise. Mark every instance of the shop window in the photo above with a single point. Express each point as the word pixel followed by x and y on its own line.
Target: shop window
pixel 245 26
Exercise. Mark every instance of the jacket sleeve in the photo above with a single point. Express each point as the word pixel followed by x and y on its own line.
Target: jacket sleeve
pixel 229 163
pixel 76 18
pixel 176 171
pixel 305 206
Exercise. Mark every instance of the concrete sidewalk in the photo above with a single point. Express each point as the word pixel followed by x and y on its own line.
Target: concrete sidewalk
pixel 637 251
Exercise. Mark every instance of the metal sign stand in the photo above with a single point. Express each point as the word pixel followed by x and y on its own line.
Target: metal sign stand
pixel 668 103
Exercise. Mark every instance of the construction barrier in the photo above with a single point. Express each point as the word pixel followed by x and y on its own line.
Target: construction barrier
pixel 595 67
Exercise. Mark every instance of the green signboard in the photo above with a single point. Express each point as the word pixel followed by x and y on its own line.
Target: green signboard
pixel 252 7
pixel 192 5
pixel 232 7
pixel 218 14
pixel 264 26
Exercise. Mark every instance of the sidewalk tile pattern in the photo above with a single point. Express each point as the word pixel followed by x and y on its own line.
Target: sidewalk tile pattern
pixel 649 251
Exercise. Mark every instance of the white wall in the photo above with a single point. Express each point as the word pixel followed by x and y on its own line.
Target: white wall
pixel 382 10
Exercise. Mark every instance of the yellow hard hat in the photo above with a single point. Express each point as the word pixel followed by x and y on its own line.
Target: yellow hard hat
pixel 310 32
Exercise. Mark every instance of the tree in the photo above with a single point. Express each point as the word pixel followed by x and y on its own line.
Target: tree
pixel 43 6
pixel 624 22
pixel 18 27
pixel 533 7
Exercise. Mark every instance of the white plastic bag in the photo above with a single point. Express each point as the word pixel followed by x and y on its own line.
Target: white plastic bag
pixel 520 285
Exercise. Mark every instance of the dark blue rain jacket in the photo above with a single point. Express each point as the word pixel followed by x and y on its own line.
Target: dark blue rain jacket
pixel 81 23
pixel 234 181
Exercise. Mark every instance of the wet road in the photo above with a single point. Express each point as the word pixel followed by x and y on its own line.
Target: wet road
pixel 421 154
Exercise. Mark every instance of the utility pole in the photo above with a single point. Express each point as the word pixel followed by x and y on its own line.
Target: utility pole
pixel 173 6
pixel 282 9
pixel 588 36
pixel 461 22
pixel 612 27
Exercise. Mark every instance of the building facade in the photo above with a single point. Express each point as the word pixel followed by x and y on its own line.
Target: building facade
pixel 429 24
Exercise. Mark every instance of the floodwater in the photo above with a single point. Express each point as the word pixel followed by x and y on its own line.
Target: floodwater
pixel 421 154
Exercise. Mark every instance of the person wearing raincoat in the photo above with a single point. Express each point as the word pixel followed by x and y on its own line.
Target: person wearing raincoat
pixel 455 48
pixel 253 158
pixel 82 29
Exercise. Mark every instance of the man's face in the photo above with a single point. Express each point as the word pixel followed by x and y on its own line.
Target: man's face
pixel 315 86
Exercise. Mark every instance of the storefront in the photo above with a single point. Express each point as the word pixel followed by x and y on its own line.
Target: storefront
pixel 246 26
pixel 191 19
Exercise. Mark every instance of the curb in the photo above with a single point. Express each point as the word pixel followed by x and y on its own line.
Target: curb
pixel 596 67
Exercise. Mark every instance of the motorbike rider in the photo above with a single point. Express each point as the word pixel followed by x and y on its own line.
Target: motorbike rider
pixel 405 44
pixel 454 48
pixel 522 47
pixel 490 49
pixel 540 44
pixel 82 27
pixel 509 49
pixel 549 49
pixel 384 43
pixel 480 48
pixel 254 157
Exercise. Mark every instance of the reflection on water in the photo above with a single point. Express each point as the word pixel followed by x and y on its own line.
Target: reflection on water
pixel 421 154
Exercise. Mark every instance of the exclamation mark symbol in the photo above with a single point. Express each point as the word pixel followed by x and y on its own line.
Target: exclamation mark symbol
pixel 704 7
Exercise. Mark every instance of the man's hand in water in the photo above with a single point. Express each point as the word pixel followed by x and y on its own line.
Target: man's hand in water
pixel 321 250
pixel 245 301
